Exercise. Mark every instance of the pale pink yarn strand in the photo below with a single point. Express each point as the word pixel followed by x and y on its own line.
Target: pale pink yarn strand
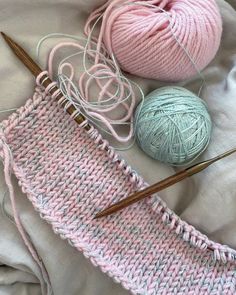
pixel 97 70
pixel 7 160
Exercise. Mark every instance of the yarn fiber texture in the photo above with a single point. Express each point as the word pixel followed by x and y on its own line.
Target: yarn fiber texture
pixel 173 125
pixel 165 40
pixel 70 174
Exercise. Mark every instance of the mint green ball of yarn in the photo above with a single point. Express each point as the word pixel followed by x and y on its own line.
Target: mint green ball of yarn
pixel 173 125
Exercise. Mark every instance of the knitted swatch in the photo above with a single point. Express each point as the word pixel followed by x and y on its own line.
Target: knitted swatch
pixel 70 174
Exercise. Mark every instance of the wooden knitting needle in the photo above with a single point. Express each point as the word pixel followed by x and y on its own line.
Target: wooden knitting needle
pixel 35 70
pixel 181 175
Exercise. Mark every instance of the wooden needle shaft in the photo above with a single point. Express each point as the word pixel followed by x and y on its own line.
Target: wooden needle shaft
pixel 162 185
pixel 36 70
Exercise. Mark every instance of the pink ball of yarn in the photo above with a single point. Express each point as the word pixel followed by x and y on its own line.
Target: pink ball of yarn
pixel 162 39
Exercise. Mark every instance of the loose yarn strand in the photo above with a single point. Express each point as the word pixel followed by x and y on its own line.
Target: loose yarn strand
pixel 55 35
pixel 7 159
pixel 81 102
pixel 8 110
pixel 4 211
pixel 115 91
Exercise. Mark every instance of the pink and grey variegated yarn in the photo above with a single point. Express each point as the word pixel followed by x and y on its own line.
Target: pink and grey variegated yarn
pixel 70 174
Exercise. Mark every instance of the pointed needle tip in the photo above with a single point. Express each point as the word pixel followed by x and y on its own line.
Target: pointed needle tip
pixel 99 215
pixel 4 36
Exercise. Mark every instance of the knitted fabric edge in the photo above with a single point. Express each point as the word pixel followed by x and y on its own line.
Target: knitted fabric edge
pixel 187 232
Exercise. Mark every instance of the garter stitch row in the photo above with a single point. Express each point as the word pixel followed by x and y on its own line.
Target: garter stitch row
pixel 70 174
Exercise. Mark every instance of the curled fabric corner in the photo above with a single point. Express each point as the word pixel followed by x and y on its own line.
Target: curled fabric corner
pixel 7 159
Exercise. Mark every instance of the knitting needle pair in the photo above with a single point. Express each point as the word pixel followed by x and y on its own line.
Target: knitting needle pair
pixel 137 196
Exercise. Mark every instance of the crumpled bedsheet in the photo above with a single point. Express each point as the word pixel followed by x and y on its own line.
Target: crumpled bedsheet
pixel 207 200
